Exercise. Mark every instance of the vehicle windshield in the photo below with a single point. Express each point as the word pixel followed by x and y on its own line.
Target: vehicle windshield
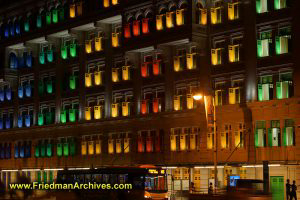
pixel 156 180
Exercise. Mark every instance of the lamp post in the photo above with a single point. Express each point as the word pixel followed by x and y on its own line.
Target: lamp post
pixel 198 97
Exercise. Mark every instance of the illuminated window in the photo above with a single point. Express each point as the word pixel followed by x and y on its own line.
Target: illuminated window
pixel 216 56
pixel 179 60
pixel 280 4
pixel 265 88
pixel 289 133
pixel 260 134
pixel 239 136
pixel 284 87
pixel 283 41
pixel 225 137
pixel 216 15
pixel 263 44
pixel 233 11
pixel 261 6
pixel 274 134
pixel 234 53
pixel 210 140
pixel 183 139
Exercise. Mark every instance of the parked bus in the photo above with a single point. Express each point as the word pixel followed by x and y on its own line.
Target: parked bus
pixel 145 182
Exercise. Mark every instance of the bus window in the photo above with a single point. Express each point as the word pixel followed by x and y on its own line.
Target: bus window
pixel 105 178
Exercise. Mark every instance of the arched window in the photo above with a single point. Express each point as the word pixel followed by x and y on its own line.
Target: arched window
pixel 13 61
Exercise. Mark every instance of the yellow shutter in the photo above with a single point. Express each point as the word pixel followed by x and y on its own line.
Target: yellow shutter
pixel 182 142
pixel 214 57
pixel 177 63
pixel 115 75
pixel 118 146
pixel 192 141
pixel 197 178
pixel 115 110
pixel 114 2
pixel 230 11
pixel 91 147
pixel 98 78
pixel 218 101
pixel 231 53
pixel 98 146
pixel 88 79
pixel 106 3
pixel 111 146
pixel 203 14
pixel 126 73
pixel 125 109
pixel 83 148
pixel 190 60
pixel 223 140
pixel 98 44
pixel 173 142
pixel 72 11
pixel 180 17
pixel 190 101
pixel 159 22
pixel 177 103
pixel 169 19
pixel 115 39
pixel 88 46
pixel 98 112
pixel 213 15
pixel 209 140
pixel 232 96
pixel 126 145
pixel 237 138
pixel 88 115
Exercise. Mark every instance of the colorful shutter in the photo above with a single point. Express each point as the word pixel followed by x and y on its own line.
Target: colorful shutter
pixel 49 149
pixel 98 112
pixel 260 92
pixel 98 44
pixel 59 149
pixel 98 78
pixel 145 25
pixel 190 101
pixel 125 109
pixel 256 138
pixel 126 73
pixel 115 110
pixel 136 27
pixel 180 17
pixel 173 142
pixel 88 79
pixel 98 147
pixel 91 147
pixel 270 137
pixel 83 148
pixel 88 46
pixel 66 148
pixel 88 114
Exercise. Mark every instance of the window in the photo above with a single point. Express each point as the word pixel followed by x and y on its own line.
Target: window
pixel 261 6
pixel 217 53
pixel 220 94
pixel 274 134
pixel 289 133
pixel 149 141
pixel 235 92
pixel 225 137
pixel 284 87
pixel 260 134
pixel 233 11
pixel 216 15
pixel 264 44
pixel 280 4
pixel 283 41
pixel 210 140
pixel 201 15
pixel 239 135
pixel 183 139
pixel 265 88
pixel 179 60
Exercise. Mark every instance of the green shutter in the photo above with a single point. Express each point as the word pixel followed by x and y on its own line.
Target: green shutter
pixel 72 147
pixel 48 18
pixel 55 16
pixel 256 137
pixel 40 119
pixel 258 6
pixel 259 48
pixel 43 150
pixel 39 22
pixel 278 90
pixel 49 149
pixel 59 149
pixel 73 50
pixel 42 57
pixel 63 116
pixel 37 151
pixel 50 55
pixel 260 92
pixel 284 137
pixel 64 52
pixel 27 25
pixel 72 115
pixel 277 41
pixel 45 177
pixel 39 176
pixel 270 136
pixel 276 4
pixel 66 149
pixel 72 82
pixel 41 87
pixel 49 87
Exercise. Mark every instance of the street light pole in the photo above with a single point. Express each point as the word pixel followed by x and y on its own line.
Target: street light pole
pixel 215 147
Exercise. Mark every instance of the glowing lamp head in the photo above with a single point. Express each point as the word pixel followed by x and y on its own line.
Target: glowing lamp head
pixel 197 97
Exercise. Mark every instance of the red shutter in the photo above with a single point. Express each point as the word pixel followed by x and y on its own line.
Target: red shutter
pixel 144 107
pixel 145 26
pixel 136 28
pixel 140 144
pixel 127 33
pixel 157 142
pixel 155 105
pixel 149 144
pixel 144 70
pixel 156 67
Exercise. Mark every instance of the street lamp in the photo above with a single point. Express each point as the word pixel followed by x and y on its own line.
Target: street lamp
pixel 198 97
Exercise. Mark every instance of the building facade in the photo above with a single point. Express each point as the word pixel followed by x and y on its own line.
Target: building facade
pixel 89 84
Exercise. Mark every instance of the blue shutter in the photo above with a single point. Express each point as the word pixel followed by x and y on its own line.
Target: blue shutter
pixel 7 151
pixel 1 95
pixel 27 120
pixel 8 94
pixel 22 150
pixel 16 151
